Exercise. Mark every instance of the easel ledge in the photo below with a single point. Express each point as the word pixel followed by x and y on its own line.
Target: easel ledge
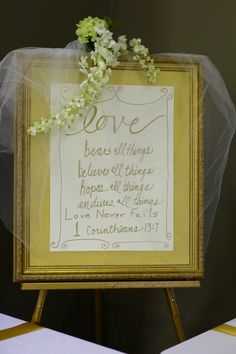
pixel 110 285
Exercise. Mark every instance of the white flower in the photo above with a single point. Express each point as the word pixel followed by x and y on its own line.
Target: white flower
pixel 32 131
pixel 99 28
pixel 97 68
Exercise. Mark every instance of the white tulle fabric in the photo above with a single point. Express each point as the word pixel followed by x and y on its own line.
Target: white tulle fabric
pixel 218 114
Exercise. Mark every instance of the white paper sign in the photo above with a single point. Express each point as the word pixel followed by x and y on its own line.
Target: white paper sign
pixel 112 172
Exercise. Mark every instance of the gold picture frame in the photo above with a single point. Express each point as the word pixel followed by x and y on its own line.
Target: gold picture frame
pixel 34 218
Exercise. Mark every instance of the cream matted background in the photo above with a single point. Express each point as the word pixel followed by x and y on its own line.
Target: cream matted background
pixel 136 321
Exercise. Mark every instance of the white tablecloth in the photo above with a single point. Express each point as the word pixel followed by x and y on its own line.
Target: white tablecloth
pixel 45 341
pixel 210 342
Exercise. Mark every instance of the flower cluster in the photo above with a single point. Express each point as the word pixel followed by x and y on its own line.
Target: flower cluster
pixel 141 54
pixel 86 30
pixel 96 67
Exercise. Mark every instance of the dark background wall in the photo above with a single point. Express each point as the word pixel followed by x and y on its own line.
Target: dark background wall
pixel 135 321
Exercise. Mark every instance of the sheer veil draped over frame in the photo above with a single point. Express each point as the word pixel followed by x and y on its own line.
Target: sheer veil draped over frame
pixel 219 119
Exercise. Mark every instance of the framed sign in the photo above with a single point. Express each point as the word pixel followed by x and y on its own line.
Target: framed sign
pixel 119 195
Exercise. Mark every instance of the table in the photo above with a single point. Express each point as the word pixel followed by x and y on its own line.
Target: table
pixel 40 340
pixel 210 342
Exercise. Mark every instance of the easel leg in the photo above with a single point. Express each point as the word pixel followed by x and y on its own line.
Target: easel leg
pixel 39 306
pixel 175 314
pixel 98 315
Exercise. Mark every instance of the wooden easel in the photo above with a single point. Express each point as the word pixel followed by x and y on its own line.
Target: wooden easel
pixel 98 286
